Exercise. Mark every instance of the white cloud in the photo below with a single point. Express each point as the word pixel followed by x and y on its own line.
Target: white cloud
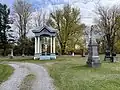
pixel 87 9
pixel 87 14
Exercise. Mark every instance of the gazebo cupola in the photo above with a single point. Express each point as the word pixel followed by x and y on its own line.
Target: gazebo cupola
pixel 45 42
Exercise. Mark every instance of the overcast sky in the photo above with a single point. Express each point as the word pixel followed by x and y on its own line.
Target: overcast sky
pixel 87 9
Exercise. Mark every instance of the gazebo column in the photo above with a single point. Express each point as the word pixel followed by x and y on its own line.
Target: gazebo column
pixel 54 45
pixel 51 45
pixel 38 45
pixel 35 45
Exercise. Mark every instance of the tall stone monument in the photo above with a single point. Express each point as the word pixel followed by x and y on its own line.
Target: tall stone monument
pixel 93 57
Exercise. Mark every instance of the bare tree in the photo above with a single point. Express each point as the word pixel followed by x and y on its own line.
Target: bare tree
pixel 108 24
pixel 22 13
pixel 40 17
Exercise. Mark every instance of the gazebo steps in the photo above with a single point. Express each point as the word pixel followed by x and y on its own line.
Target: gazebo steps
pixel 45 57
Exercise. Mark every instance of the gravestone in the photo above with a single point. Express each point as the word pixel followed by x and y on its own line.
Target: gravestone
pixel 107 54
pixel 110 56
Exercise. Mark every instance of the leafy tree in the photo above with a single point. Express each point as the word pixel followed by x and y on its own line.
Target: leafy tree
pixel 67 21
pixel 76 40
pixel 29 47
pixel 117 46
pixel 4 21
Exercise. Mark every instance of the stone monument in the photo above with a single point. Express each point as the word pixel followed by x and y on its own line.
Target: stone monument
pixel 93 57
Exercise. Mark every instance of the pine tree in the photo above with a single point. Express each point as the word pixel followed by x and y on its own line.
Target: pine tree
pixel 4 21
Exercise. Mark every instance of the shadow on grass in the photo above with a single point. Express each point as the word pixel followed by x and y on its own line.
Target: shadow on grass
pixel 109 62
pixel 80 67
pixel 86 67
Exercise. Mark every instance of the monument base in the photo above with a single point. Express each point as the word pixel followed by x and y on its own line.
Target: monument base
pixel 36 56
pixel 93 61
pixel 45 57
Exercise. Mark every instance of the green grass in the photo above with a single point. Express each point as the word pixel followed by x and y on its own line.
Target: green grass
pixel 5 72
pixel 27 82
pixel 24 59
pixel 71 73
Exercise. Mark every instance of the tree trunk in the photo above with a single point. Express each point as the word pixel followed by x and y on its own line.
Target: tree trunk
pixel 109 43
pixel 83 54
pixel 63 50
pixel 23 47
pixel 23 51
pixel 63 45
pixel 11 56
pixel 4 52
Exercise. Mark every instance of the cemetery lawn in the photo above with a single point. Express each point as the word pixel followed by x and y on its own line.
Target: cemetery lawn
pixel 71 73
pixel 5 72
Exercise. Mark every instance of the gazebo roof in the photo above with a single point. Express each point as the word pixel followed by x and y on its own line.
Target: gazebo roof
pixel 45 30
pixel 39 29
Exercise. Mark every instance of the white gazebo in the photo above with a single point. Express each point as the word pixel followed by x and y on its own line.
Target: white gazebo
pixel 45 43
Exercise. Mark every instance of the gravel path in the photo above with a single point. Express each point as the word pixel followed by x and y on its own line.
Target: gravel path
pixel 15 80
pixel 42 81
